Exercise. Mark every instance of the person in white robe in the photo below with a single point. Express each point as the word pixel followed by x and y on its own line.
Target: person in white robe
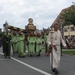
pixel 54 40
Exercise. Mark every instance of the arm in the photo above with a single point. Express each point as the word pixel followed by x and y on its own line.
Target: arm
pixel 62 41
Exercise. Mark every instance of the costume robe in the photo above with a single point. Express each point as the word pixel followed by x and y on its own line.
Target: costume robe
pixel 21 45
pixel 38 45
pixel 56 39
pixel 31 45
pixel 46 44
pixel 14 43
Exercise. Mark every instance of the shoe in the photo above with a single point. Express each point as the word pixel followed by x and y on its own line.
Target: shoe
pixel 40 51
pixel 31 55
pixel 19 56
pixel 53 69
pixel 38 54
pixel 56 71
pixel 23 56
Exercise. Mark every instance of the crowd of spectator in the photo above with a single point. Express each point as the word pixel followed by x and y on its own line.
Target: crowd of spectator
pixel 70 43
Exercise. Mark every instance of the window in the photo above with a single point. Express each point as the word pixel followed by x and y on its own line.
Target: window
pixel 72 28
pixel 65 30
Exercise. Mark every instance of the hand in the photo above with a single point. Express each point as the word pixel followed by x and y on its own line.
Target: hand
pixel 65 47
pixel 14 42
pixel 51 45
pixel 39 43
pixel 31 42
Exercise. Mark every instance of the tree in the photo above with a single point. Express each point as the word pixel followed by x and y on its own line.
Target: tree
pixel 69 16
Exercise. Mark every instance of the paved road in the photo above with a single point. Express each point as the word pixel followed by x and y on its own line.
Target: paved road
pixel 35 65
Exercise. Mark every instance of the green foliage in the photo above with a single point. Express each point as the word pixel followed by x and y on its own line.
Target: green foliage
pixel 69 16
pixel 69 52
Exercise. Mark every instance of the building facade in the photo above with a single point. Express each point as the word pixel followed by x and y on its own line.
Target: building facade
pixel 67 31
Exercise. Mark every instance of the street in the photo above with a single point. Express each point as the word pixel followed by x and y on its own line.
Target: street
pixel 35 65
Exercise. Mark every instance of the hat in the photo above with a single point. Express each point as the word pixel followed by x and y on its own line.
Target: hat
pixel 56 23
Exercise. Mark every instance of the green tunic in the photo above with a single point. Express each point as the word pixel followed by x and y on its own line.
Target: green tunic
pixel 38 45
pixel 31 44
pixel 14 43
pixel 21 45
pixel 46 44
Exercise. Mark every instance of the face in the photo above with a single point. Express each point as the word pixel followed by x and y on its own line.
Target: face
pixel 47 32
pixel 56 27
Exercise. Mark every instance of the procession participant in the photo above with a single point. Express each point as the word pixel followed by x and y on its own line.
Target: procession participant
pixel 3 43
pixel 38 44
pixel 46 44
pixel 31 43
pixel 7 46
pixel 14 42
pixel 0 38
pixel 54 40
pixel 21 45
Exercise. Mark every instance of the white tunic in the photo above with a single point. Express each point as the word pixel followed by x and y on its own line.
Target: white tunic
pixel 56 39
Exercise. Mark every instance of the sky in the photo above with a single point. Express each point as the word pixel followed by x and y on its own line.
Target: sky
pixel 43 12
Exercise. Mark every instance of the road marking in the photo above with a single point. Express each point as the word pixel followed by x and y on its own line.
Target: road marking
pixel 41 71
pixel 34 68
pixel 1 53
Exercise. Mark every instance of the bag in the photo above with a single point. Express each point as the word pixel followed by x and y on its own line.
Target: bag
pixel 50 49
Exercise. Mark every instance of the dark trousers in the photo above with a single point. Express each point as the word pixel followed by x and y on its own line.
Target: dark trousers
pixel 7 50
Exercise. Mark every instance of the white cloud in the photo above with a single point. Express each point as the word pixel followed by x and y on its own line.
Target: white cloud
pixel 43 12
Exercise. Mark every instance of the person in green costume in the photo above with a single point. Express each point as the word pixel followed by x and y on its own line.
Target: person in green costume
pixel 31 43
pixel 21 45
pixel 7 46
pixel 14 42
pixel 46 44
pixel 38 44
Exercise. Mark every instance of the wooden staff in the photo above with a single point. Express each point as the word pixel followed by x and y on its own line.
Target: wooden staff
pixel 52 31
